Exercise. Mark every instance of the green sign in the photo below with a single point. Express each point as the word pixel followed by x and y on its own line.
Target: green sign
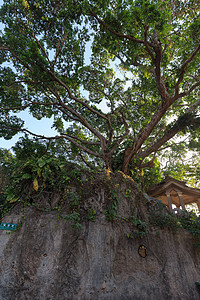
pixel 8 226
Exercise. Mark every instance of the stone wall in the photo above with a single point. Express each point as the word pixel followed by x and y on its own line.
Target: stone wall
pixel 48 260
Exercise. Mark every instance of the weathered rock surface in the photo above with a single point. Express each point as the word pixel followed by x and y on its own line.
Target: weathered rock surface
pixel 47 260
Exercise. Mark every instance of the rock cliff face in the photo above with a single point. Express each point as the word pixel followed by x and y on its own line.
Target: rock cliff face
pixel 46 259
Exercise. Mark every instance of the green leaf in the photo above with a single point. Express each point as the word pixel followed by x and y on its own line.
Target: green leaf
pixel 11 198
pixel 42 162
pixel 26 176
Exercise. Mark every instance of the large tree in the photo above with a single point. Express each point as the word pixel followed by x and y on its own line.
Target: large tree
pixel 138 59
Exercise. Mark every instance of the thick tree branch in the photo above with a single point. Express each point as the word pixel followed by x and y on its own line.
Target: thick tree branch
pixel 59 48
pixel 84 141
pixel 16 56
pixel 82 120
pixel 134 62
pixel 148 164
pixel 170 133
pixel 183 69
pixel 129 37
pixel 157 63
pixel 54 138
pixel 36 40
pixel 121 138
pixel 129 153
pixel 172 144
pixel 75 98
pixel 156 135
pixel 186 93
pixel 42 48
pixel 147 44
pixel 90 165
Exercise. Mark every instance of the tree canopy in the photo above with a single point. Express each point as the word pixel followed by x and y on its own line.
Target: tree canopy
pixel 120 78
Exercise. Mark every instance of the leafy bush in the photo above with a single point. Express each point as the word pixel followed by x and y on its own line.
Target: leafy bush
pixel 170 221
pixel 191 222
pixel 33 169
